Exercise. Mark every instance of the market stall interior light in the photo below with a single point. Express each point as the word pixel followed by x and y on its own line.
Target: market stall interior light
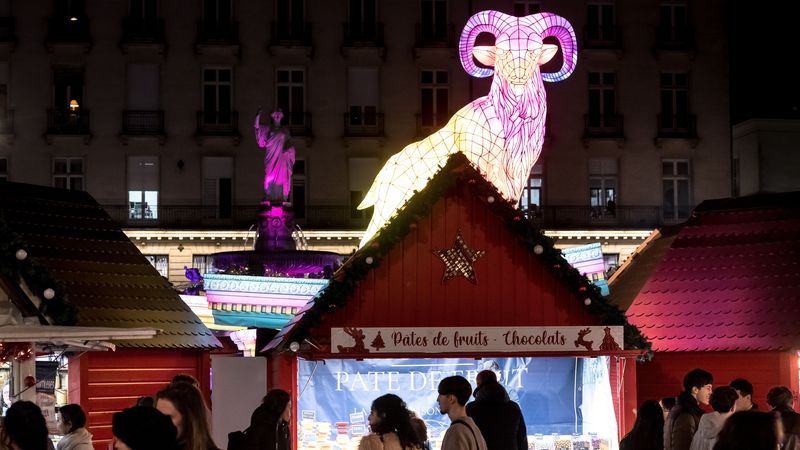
pixel 294 346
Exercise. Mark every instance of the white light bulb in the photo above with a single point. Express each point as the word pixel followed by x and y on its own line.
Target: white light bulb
pixel 21 254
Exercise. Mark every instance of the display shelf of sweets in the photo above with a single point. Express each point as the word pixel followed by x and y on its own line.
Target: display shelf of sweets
pixel 542 442
pixel 599 443
pixel 562 442
pixel 581 442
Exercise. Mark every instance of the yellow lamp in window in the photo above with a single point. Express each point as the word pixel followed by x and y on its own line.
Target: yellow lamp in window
pixel 73 105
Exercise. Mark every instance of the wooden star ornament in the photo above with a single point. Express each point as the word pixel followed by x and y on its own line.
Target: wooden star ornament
pixel 458 260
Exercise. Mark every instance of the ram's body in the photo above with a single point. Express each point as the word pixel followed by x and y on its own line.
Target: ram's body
pixel 501 134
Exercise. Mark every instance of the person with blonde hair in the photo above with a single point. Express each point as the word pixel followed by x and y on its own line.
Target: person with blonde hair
pixel 184 404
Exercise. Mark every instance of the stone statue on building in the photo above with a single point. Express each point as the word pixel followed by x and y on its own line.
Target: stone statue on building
pixel 279 156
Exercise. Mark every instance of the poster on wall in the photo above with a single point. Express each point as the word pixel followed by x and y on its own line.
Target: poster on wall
pixel 46 373
pixel 557 396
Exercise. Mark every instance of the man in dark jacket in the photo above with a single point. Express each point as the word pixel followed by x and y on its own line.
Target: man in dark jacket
pixel 683 418
pixel 499 419
pixel 780 398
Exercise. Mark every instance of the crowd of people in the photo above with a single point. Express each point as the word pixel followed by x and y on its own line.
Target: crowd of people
pixel 177 418
pixel 736 422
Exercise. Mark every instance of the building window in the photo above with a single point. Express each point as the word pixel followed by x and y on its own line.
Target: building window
pixel 143 183
pixel 434 100
pixel 736 177
pixel 3 169
pixel 68 173
pixel 360 174
pixel 611 262
pixel 673 21
pixel 217 96
pixel 143 115
pixel 531 200
pixel 674 101
pixel 68 89
pixel 675 181
pixel 524 8
pixel 290 18
pixel 603 186
pixel 363 20
pixel 602 100
pixel 363 96
pixel 434 20
pixel 217 13
pixel 202 263
pixel 298 194
pixel 217 187
pixel 290 95
pixel 160 262
pixel 600 22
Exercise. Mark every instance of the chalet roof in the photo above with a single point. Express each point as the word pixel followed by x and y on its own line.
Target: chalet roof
pixel 728 281
pixel 457 170
pixel 97 267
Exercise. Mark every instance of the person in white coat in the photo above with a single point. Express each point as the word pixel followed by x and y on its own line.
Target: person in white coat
pixel 723 400
pixel 72 425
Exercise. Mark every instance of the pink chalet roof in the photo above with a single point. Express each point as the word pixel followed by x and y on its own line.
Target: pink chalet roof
pixel 730 280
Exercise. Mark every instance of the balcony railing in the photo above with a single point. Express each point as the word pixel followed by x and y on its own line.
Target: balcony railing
pixel 677 126
pixel 603 126
pixel 7 122
pixel 211 32
pixel 7 29
pixel 289 34
pixel 433 36
pixel 363 125
pixel 218 123
pixel 142 123
pixel 602 37
pixel 62 30
pixel 363 35
pixel 674 38
pixel 299 123
pixel 66 122
pixel 340 216
pixel 136 30
pixel 428 123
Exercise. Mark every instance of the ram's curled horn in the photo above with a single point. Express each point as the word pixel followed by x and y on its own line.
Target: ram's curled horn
pixel 547 24
pixel 483 22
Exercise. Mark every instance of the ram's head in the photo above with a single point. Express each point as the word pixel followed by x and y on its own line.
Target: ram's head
pixel 518 48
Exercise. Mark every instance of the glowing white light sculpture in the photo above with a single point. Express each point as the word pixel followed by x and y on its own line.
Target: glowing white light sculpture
pixel 502 133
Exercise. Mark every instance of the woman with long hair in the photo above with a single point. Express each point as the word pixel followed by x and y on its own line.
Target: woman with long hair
pixel 750 430
pixel 390 426
pixel 24 428
pixel 648 430
pixel 143 428
pixel 269 424
pixel 72 425
pixel 184 404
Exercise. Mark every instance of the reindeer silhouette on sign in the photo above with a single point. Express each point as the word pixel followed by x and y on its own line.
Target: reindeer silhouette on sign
pixel 358 335
pixel 580 341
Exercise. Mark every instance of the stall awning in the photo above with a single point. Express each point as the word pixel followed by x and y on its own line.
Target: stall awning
pixel 85 338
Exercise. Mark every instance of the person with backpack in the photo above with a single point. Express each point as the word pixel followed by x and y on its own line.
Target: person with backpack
pixel 463 433
pixel 269 424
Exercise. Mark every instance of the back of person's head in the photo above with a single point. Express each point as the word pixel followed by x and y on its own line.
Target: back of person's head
pixel 749 430
pixel 723 398
pixel 146 401
pixel 276 401
pixel 395 417
pixel 668 403
pixel 485 376
pixel 648 430
pixel 24 427
pixel 743 386
pixel 188 401
pixel 457 386
pixel 696 378
pixel 185 378
pixel 144 428
pixel 780 397
pixel 73 415
pixel 419 427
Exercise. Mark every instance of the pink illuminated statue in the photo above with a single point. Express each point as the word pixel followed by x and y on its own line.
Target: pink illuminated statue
pixel 279 156
pixel 502 133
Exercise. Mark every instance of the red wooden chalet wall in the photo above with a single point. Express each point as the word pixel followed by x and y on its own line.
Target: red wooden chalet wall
pixel 406 290
pixel 106 382
pixel 663 376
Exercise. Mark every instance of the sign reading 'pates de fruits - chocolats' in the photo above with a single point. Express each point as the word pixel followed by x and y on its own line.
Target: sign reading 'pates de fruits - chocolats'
pixel 359 340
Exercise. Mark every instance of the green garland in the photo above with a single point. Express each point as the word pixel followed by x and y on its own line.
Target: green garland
pixel 35 276
pixel 343 284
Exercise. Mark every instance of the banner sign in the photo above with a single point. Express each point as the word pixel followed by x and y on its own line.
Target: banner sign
pixel 356 340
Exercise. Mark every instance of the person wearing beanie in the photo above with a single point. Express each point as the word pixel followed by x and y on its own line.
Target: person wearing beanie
pixel 143 428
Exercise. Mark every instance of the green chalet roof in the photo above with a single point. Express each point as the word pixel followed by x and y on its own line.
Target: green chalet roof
pixel 99 277
pixel 456 170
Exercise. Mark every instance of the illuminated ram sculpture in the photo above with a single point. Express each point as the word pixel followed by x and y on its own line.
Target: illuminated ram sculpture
pixel 501 134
